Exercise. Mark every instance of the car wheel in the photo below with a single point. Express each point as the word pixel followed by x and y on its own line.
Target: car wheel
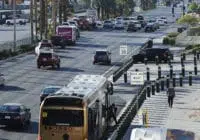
pixel 109 62
pixel 58 65
pixel 20 23
pixel 52 66
pixel 8 23
pixel 93 63
pixel 38 66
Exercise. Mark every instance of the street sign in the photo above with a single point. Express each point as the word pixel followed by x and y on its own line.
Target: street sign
pixel 123 50
pixel 137 78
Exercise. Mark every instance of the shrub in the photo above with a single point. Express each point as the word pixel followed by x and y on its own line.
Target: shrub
pixel 173 34
pixel 172 41
pixel 166 40
pixel 188 47
pixel 26 48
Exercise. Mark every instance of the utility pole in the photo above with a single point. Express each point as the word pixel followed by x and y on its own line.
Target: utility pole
pixel 14 17
pixel 54 14
pixel 46 19
pixel 183 8
pixel 36 18
pixel 31 20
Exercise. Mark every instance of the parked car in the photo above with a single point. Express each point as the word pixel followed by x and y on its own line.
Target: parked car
pixel 48 91
pixel 107 24
pixel 140 18
pixel 2 80
pixel 75 24
pixel 48 58
pixel 19 20
pixel 126 21
pixel 156 24
pixel 103 56
pixel 131 27
pixel 137 23
pixel 43 45
pixel 161 22
pixel 151 53
pixel 150 27
pixel 99 24
pixel 164 19
pixel 14 114
pixel 119 25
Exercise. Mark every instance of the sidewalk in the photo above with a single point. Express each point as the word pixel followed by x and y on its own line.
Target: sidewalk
pixel 183 120
pixel 185 114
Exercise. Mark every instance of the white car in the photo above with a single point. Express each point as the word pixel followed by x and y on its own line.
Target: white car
pixel 20 21
pixel 161 22
pixel 44 45
pixel 164 18
pixel 119 25
pixel 2 80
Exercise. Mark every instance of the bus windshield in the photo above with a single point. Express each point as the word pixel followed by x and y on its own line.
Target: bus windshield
pixel 62 117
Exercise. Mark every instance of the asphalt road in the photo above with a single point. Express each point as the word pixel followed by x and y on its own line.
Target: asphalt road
pixel 24 81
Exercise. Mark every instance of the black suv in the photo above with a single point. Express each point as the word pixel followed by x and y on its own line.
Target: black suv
pixel 150 54
pixel 102 56
pixel 48 59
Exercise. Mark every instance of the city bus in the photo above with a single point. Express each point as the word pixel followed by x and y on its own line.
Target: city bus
pixel 77 111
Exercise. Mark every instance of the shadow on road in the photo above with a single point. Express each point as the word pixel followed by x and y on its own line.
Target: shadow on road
pixel 67 57
pixel 10 88
pixel 31 128
pixel 68 69
pixel 92 46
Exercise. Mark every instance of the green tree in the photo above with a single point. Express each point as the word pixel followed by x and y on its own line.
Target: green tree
pixel 188 19
pixel 193 6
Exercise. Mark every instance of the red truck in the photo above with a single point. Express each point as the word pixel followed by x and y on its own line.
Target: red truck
pixel 65 35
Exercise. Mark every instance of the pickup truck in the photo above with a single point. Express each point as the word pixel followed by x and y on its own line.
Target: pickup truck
pixel 19 21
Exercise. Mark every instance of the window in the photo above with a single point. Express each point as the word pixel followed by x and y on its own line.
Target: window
pixel 46 55
pixel 63 117
pixel 10 108
pixel 101 53
pixel 50 90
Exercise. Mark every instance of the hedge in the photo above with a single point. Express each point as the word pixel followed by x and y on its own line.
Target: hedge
pixel 168 40
pixel 9 53
pixel 173 34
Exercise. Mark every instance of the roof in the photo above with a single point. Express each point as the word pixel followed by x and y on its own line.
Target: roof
pixel 148 134
pixel 13 104
pixel 82 85
pixel 101 50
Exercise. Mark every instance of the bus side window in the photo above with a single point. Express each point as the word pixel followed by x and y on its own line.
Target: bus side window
pixel 90 120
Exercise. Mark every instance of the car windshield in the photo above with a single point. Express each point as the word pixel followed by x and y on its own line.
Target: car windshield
pixel 50 90
pixel 10 108
pixel 62 117
pixel 100 53
pixel 107 21
pixel 46 55
pixel 45 45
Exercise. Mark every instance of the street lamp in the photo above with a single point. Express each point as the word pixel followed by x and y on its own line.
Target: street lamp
pixel 14 18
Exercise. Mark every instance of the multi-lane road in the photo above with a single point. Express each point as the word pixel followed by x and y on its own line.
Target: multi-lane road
pixel 24 81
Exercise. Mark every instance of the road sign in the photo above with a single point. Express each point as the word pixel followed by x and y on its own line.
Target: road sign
pixel 137 78
pixel 123 50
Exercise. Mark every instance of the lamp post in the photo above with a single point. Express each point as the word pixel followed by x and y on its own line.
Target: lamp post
pixel 183 7
pixel 14 18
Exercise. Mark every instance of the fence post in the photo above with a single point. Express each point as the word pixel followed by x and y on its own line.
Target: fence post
pixel 190 78
pixel 183 70
pixel 148 74
pixel 174 80
pixel 162 84
pixel 153 88
pixel 125 77
pixel 171 71
pixel 159 72
pixel 180 79
pixel 157 86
